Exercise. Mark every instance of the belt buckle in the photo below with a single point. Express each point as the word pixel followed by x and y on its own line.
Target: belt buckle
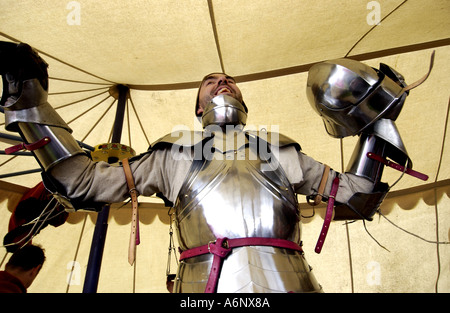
pixel 209 243
pixel 223 244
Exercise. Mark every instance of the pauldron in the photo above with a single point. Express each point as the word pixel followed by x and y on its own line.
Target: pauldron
pixel 186 138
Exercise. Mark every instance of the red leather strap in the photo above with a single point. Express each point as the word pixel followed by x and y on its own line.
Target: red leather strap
pixel 28 146
pixel 222 247
pixel 328 215
pixel 396 166
pixel 240 242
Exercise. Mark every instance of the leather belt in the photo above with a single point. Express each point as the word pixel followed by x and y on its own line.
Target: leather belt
pixel 323 182
pixel 222 247
pixel 328 215
pixel 134 236
pixel 396 166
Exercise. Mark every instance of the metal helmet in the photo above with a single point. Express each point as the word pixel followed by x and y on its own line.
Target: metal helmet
pixel 350 96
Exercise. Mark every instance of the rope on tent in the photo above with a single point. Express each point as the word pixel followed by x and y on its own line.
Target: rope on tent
pixel 371 29
pixel 98 121
pixel 341 145
pixel 81 100
pixel 69 279
pixel 36 170
pixel 412 234
pixel 444 137
pixel 75 91
pixel 78 81
pixel 367 231
pixel 139 120
pixel 91 108
pixel 216 34
pixel 10 159
pixel 4 258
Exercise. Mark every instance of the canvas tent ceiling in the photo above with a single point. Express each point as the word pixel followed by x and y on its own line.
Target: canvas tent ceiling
pixel 162 49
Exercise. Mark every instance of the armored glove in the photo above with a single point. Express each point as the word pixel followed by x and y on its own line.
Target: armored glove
pixel 24 101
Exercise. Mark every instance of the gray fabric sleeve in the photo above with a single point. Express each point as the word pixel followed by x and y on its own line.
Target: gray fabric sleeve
pixel 305 174
pixel 100 182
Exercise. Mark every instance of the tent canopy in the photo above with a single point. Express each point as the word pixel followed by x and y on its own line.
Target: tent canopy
pixel 162 49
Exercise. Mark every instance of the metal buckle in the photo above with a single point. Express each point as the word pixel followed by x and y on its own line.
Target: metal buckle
pixel 209 248
pixel 224 244
pixel 134 190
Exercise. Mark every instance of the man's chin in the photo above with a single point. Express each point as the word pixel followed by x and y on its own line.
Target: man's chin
pixel 228 94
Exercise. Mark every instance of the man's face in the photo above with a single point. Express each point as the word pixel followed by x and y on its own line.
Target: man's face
pixel 217 84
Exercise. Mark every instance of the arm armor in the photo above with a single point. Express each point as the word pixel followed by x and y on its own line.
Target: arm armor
pixel 384 141
pixel 353 98
pixel 33 117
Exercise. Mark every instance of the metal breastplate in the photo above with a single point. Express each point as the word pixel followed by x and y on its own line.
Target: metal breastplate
pixel 234 194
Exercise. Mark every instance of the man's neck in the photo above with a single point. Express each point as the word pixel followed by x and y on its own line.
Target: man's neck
pixel 22 276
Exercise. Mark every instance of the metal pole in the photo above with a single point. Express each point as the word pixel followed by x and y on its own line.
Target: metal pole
pixel 37 170
pixel 120 113
pixel 96 253
pixel 101 225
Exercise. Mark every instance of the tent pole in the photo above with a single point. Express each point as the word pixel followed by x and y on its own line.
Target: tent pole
pixel 101 225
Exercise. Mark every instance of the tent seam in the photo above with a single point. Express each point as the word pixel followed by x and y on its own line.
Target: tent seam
pixel 371 29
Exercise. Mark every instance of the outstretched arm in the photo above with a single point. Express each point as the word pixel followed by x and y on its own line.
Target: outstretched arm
pixel 68 171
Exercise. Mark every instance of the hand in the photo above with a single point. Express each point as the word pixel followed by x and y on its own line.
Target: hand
pixel 18 63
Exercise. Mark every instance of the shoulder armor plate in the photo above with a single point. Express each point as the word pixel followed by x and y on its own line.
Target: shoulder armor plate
pixel 186 138
pixel 274 139
pixel 182 138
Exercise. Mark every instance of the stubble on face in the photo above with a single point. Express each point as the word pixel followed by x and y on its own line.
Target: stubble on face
pixel 216 84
